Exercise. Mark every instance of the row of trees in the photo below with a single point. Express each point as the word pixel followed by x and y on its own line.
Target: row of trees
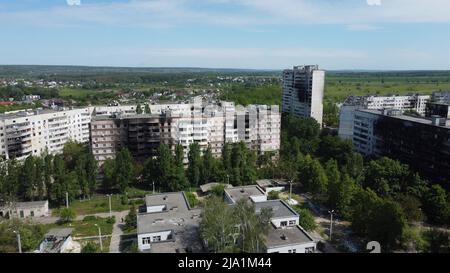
pixel 50 177
pixel 166 170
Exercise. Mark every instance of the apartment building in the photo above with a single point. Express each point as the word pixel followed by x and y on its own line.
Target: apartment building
pixel 421 142
pixel 439 105
pixel 24 133
pixel 303 91
pixel 417 103
pixel 206 124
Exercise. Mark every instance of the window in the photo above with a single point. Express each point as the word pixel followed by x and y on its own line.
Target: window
pixel 309 250
pixel 146 240
pixel 156 238
pixel 292 222
pixel 289 251
pixel 32 213
pixel 21 214
pixel 283 223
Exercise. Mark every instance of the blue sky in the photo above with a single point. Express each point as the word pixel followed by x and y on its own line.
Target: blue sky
pixel 268 34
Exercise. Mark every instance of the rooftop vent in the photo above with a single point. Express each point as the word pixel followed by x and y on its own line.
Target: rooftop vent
pixel 165 197
pixel 283 237
pixel 242 190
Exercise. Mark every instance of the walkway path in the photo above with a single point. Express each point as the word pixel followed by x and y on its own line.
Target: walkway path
pixel 114 246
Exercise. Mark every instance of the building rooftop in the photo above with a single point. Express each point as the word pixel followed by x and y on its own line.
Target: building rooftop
pixel 59 232
pixel 244 192
pixel 172 200
pixel 263 183
pixel 25 205
pixel 422 120
pixel 279 208
pixel 207 187
pixel 287 236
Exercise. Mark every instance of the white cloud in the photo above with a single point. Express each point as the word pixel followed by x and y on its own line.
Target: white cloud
pixel 246 13
pixel 374 2
pixel 73 2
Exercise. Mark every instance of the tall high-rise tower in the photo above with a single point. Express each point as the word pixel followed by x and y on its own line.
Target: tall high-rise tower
pixel 303 88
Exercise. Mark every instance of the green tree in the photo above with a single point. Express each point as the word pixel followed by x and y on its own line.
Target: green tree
pixel 147 109
pixel 131 218
pixel 313 176
pixel 194 167
pixel 306 219
pixel 207 174
pixel 138 109
pixel 411 206
pixel 108 181
pixel 91 172
pixel 67 215
pixel 123 169
pixel 436 205
pixel 253 227
pixel 273 195
pixel 218 225
pixel 90 247
pixel 27 179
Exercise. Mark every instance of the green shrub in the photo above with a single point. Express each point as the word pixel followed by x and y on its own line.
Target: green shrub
pixel 306 218
pixel 89 218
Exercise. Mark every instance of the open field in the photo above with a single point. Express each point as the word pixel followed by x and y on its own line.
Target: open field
pixel 95 205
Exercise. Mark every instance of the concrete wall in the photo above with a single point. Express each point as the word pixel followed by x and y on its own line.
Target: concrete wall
pixel 277 221
pixel 164 237
pixel 300 248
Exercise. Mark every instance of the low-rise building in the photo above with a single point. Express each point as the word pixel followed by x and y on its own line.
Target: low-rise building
pixel 24 209
pixel 251 193
pixel 56 240
pixel 168 225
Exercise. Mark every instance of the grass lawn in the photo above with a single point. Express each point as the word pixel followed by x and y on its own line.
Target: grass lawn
pixel 86 228
pixel 95 205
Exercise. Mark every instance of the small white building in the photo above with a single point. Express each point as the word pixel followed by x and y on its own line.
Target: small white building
pixel 169 225
pixel 25 209
pixel 56 240
pixel 285 234
pixel 252 193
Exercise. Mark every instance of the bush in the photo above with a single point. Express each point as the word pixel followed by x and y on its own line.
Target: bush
pixel 90 247
pixel 111 220
pixel 67 215
pixel 192 199
pixel 273 195
pixel 306 218
pixel 89 218
pixel 124 199
pixel 218 190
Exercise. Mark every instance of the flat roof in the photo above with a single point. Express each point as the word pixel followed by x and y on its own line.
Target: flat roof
pixel 170 199
pixel 59 232
pixel 279 208
pixel 207 187
pixel 167 220
pixel 271 183
pixel 25 205
pixel 421 120
pixel 244 192
pixel 185 240
pixel 287 236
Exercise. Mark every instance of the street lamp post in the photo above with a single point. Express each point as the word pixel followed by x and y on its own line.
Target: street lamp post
pixel 331 212
pixel 110 213
pixel 100 237
pixel 290 190
pixel 67 199
pixel 228 179
pixel 153 182
pixel 19 243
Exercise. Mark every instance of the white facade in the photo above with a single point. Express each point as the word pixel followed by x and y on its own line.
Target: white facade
pixel 145 240
pixel 25 210
pixel 24 133
pixel 303 91
pixel 401 103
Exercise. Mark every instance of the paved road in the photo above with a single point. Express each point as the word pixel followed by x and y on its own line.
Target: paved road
pixel 117 232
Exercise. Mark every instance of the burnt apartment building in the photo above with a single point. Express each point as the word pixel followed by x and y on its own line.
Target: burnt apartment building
pixel 141 134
